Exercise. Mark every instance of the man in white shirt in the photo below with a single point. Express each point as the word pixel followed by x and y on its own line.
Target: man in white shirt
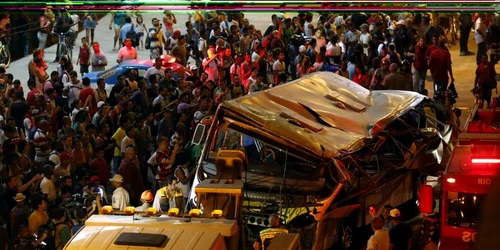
pixel 380 239
pixel 47 185
pixel 480 37
pixel 157 70
pixel 279 66
pixel 120 198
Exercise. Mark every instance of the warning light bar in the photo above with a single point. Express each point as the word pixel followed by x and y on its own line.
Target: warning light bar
pixel 485 160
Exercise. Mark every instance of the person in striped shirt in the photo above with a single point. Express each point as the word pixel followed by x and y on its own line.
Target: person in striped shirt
pixel 42 142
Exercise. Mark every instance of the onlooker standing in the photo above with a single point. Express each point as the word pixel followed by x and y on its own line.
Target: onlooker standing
pixel 118 19
pixel 43 33
pixel 84 57
pixel 47 186
pixel 129 169
pixel 62 232
pixel 120 198
pixel 401 233
pixel 89 24
pixel 419 66
pixel 440 65
pixel 127 52
pixel 128 26
pixel 39 216
pixel 480 37
pixel 380 239
pixel 395 80
pixel 465 20
pixel 485 80
pixel 98 59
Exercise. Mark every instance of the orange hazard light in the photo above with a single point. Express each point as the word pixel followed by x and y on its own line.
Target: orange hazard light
pixel 484 160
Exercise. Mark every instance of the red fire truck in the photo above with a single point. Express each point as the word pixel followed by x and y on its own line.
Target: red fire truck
pixel 466 180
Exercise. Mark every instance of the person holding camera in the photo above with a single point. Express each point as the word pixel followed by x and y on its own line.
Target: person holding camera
pixel 156 39
pixel 94 190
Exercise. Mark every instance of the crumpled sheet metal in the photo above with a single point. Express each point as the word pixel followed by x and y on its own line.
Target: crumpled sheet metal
pixel 341 128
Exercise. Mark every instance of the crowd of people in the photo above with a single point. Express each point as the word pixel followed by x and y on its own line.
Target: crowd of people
pixel 66 145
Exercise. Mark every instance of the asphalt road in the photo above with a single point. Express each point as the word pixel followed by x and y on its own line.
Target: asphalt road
pixel 463 67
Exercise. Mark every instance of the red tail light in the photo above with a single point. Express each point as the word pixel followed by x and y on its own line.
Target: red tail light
pixel 485 160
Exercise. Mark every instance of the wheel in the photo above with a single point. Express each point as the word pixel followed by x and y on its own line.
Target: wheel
pixel 63 51
pixel 5 56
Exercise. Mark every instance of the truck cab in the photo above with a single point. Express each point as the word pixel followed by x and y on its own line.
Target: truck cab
pixel 464 184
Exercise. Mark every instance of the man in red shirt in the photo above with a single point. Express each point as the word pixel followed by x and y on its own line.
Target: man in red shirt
pixel 440 65
pixel 31 99
pixel 85 93
pixel 129 169
pixel 433 46
pixel 420 66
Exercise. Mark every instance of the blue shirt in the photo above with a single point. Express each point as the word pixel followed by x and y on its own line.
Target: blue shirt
pixel 124 30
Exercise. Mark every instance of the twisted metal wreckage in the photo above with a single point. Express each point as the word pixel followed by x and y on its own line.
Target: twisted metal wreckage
pixel 321 147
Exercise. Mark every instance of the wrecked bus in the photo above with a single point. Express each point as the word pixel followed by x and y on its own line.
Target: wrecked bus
pixel 319 151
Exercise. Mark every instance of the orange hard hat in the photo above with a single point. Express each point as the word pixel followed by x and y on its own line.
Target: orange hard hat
pixel 147 196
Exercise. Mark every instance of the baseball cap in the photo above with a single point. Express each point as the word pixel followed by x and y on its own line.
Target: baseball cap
pixel 395 213
pixel 65 156
pixel 177 33
pixel 401 22
pixel 117 178
pixel 302 49
pixel 100 104
pixel 35 112
pixel 96 178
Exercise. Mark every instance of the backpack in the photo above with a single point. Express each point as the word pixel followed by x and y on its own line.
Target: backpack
pixel 133 36
pixel 50 229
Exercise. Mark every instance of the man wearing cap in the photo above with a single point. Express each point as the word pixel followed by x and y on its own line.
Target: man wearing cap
pixel 401 234
pixel 94 186
pixel 300 57
pixel 18 215
pixel 63 169
pixel 402 37
pixel 380 239
pixel 172 41
pixel 120 198
pixel 101 115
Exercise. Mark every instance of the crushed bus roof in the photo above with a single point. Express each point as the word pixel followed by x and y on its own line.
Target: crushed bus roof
pixel 323 112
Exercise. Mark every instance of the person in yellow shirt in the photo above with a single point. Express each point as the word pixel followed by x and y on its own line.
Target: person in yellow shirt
pixel 169 196
pixel 117 138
